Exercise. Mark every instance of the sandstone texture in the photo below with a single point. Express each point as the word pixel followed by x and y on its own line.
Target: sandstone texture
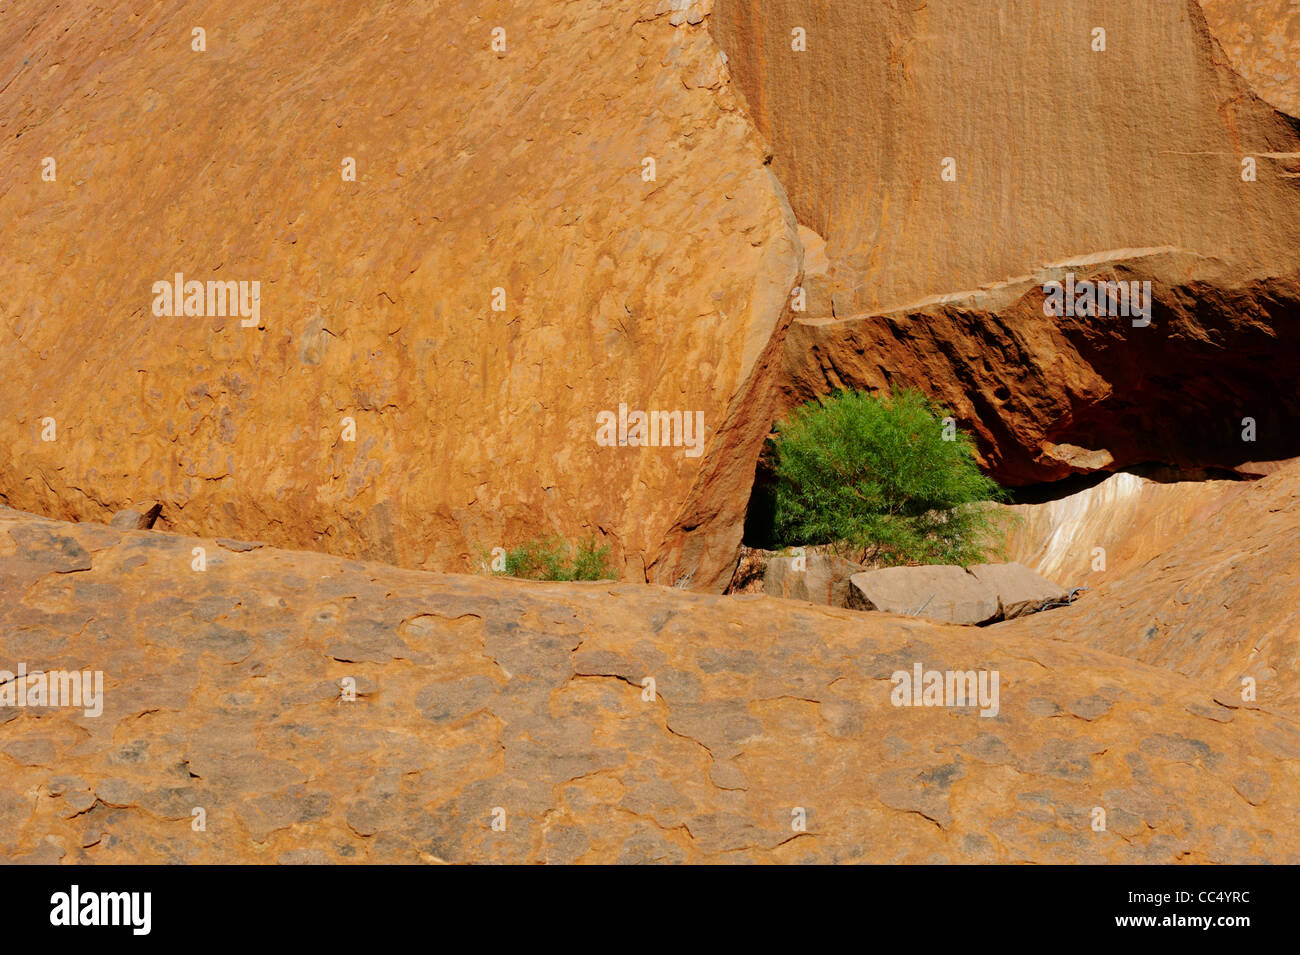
pixel 1217 604
pixel 1122 165
pixel 610 212
pixel 1104 531
pixel 512 178
pixel 1262 39
pixel 480 699
pixel 518 269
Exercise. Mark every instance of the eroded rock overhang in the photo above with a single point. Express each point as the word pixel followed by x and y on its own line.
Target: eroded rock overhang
pixel 947 160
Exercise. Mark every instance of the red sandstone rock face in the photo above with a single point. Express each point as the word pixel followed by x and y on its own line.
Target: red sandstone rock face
pixel 476 428
pixel 523 170
pixel 476 170
pixel 1025 384
pixel 1062 163
pixel 223 692
pixel 1262 38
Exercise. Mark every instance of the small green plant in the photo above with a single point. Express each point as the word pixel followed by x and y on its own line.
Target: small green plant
pixel 883 478
pixel 550 558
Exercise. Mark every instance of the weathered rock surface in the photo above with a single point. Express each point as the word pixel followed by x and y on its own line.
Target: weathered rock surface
pixel 1262 38
pixel 939 284
pixel 817 578
pixel 476 428
pixel 936 591
pixel 1020 591
pixel 1106 530
pixel 1217 604
pixel 511 178
pixel 222 692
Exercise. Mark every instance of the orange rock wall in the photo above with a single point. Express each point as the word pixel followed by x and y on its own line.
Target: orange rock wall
pixel 1122 164
pixel 1262 39
pixel 519 169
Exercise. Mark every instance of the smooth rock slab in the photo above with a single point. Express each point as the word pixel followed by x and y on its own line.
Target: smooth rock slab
pixel 937 592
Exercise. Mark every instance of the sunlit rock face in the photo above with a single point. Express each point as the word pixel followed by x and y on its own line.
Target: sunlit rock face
pixel 1195 578
pixel 957 159
pixel 477 297
pixel 1262 39
pixel 317 709
pixel 1108 529
pixel 469 245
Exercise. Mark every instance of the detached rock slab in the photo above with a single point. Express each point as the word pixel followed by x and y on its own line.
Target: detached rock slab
pixel 1020 590
pixel 938 592
pixel 817 578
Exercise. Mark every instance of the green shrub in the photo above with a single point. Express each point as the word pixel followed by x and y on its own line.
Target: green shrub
pixel 878 477
pixel 550 558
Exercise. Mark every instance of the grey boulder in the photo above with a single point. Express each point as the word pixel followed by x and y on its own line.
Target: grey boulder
pixel 137 519
pixel 818 578
pixel 1020 590
pixel 941 592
